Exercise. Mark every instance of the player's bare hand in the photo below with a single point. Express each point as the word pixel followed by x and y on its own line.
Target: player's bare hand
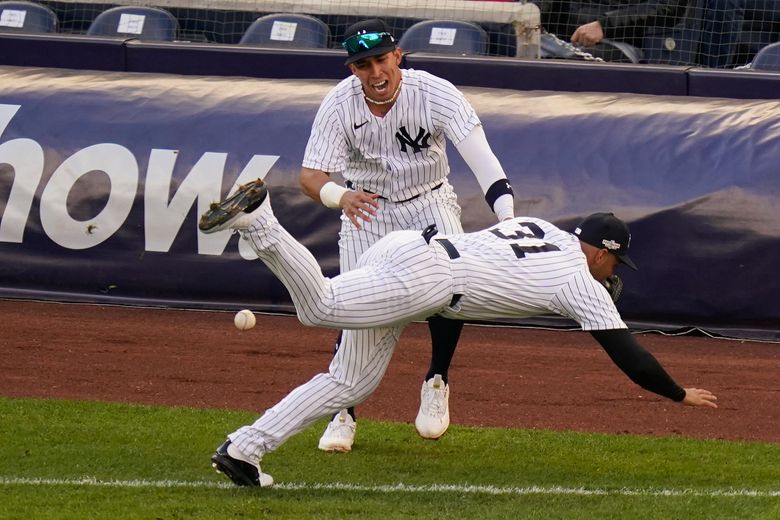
pixel 359 205
pixel 699 397
pixel 588 35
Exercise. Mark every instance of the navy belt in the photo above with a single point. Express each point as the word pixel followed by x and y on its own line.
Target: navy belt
pixel 452 251
pixel 449 247
pixel 351 186
pixel 429 232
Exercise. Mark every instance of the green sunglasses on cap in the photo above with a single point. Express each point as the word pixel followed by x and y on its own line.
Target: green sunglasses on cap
pixel 366 41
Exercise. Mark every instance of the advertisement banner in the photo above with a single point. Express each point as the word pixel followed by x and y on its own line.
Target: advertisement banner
pixel 103 177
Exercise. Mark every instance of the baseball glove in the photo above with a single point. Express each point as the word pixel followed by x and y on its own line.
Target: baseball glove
pixel 614 286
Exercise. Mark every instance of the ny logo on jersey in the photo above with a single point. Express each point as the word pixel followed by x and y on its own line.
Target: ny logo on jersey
pixel 417 144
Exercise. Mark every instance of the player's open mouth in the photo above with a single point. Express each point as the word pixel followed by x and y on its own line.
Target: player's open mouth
pixel 380 87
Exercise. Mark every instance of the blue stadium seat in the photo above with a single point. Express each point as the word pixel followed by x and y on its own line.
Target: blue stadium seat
pixel 445 37
pixel 287 31
pixel 144 23
pixel 27 17
pixel 768 58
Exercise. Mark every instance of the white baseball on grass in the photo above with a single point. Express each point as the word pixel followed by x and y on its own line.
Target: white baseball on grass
pixel 244 320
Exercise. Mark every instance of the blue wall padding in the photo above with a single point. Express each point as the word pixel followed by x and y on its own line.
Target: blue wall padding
pixel 696 178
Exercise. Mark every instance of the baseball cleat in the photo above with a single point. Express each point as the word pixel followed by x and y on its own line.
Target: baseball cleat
pixel 433 419
pixel 235 211
pixel 230 462
pixel 340 434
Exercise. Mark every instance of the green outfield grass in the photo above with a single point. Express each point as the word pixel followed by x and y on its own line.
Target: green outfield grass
pixel 64 459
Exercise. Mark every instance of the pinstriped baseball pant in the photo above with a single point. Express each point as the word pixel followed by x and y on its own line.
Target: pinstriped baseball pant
pixel 401 279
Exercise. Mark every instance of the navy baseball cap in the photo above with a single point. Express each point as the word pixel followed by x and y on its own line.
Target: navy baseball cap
pixel 606 231
pixel 367 38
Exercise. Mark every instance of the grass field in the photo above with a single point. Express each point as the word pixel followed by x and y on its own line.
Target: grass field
pixel 64 459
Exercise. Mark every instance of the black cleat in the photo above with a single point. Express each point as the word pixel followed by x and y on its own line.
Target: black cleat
pixel 242 473
pixel 222 215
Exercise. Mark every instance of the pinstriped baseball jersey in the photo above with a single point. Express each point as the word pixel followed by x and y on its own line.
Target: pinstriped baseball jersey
pixel 527 267
pixel 400 155
pixel 521 267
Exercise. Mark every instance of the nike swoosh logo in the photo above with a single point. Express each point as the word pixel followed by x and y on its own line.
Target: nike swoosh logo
pixel 359 125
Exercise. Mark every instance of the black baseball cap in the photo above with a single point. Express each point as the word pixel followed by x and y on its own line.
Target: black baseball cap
pixel 367 38
pixel 606 231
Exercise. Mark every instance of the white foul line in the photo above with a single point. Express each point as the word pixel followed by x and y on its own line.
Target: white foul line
pixel 400 488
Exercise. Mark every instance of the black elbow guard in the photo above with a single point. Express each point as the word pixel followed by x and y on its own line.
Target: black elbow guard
pixel 498 188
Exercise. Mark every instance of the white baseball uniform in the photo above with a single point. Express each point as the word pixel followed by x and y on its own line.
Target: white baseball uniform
pixel 400 156
pixel 520 267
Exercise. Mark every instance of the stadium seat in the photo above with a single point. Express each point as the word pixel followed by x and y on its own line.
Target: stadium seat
pixel 550 46
pixel 760 28
pixel 629 53
pixel 768 58
pixel 445 37
pixel 144 23
pixel 679 44
pixel 27 17
pixel 287 31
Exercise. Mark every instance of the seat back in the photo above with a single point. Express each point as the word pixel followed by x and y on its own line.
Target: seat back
pixel 761 27
pixel 287 31
pixel 767 58
pixel 445 37
pixel 144 23
pixel 627 52
pixel 677 45
pixel 27 17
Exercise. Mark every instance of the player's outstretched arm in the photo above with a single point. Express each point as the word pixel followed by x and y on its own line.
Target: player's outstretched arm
pixel 699 397
pixel 643 369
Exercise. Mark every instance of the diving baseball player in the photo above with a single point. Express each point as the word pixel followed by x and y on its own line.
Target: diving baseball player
pixel 520 267
pixel 384 129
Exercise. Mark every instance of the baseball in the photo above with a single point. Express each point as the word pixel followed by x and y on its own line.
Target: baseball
pixel 244 320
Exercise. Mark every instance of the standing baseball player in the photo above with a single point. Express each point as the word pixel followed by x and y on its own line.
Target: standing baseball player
pixel 518 268
pixel 383 129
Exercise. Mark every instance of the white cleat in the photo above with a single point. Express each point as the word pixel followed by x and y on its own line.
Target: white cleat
pixel 433 419
pixel 339 435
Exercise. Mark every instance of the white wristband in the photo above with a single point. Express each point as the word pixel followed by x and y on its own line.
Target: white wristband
pixel 331 193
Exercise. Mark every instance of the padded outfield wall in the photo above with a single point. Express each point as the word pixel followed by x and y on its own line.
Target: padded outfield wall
pixel 103 176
